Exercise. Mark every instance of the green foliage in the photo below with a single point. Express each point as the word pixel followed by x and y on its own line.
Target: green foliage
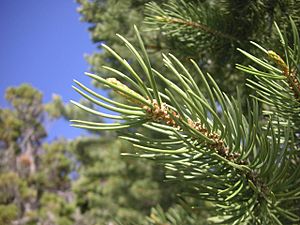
pixel 244 165
pixel 56 165
pixel 176 215
pixel 194 24
pixel 9 126
pixel 24 98
pixel 9 183
pixel 8 213
pixel 111 188
pixel 210 31
pixel 106 18
pixel 58 209
pixel 207 31
pixel 277 81
pixel 34 178
pixel 223 164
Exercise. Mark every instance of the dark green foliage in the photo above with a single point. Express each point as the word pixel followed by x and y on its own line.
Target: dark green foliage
pixel 210 31
pixel 55 165
pixel 112 188
pixel 207 31
pixel 175 215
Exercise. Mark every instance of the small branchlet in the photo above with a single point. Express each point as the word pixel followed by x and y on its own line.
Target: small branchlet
pixel 162 113
pixel 292 79
pixel 195 25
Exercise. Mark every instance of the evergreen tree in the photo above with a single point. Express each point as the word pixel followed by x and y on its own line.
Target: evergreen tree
pixel 104 188
pixel 111 189
pixel 245 164
pixel 34 176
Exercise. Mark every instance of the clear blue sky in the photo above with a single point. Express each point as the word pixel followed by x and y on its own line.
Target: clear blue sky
pixel 43 43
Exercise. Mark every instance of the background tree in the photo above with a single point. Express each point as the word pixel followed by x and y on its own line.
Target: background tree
pixel 111 188
pixel 35 184
pixel 81 181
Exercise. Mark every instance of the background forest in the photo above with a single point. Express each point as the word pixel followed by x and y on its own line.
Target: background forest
pixel 86 180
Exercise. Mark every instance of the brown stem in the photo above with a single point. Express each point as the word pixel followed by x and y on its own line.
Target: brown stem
pixel 197 25
pixel 162 113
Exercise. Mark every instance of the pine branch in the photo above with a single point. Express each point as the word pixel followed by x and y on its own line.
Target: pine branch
pixel 290 75
pixel 205 140
pixel 179 18
pixel 197 25
pixel 278 86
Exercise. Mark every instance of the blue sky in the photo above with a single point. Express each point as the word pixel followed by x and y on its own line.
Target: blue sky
pixel 43 43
